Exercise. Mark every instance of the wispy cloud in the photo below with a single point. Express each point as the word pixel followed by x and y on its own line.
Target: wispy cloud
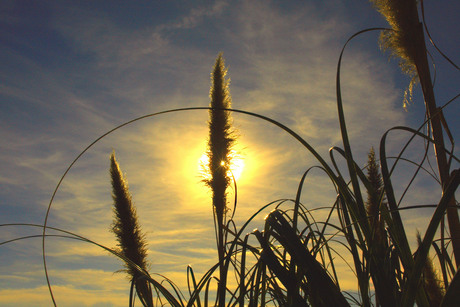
pixel 196 16
pixel 67 296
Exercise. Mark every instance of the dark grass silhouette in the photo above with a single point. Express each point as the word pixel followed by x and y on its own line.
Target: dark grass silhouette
pixel 221 139
pixel 431 281
pixel 406 41
pixel 381 255
pixel 131 240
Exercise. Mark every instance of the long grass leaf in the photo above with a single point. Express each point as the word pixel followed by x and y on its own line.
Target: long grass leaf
pixel 323 291
pixel 452 296
pixel 422 253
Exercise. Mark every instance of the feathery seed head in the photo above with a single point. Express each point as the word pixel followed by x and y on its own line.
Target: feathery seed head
pixel 221 136
pixel 125 226
pixel 131 241
pixel 402 16
pixel 431 281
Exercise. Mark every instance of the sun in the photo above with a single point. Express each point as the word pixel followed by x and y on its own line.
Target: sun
pixel 236 166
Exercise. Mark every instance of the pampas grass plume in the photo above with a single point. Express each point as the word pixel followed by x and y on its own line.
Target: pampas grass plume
pixel 131 241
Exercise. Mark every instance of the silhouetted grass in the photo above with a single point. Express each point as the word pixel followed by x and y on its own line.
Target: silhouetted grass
pixel 220 144
pixel 406 41
pixel 131 241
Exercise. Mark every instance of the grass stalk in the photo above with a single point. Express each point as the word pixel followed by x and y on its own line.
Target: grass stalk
pixel 220 143
pixel 381 271
pixel 131 240
pixel 406 41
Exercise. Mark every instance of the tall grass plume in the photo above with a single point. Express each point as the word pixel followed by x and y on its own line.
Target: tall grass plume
pixel 131 241
pixel 221 136
pixel 221 139
pixel 403 19
pixel 375 198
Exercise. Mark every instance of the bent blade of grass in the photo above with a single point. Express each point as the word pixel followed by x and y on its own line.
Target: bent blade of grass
pixel 360 209
pixel 452 296
pixel 354 217
pixel 395 224
pixel 191 275
pixel 442 262
pixel 396 229
pixel 71 235
pixel 268 257
pixel 242 284
pixel 373 269
pixel 420 260
pixel 322 288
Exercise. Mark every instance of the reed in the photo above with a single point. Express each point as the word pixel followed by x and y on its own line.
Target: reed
pixel 399 41
pixel 131 240
pixel 221 139
pixel 381 270
pixel 406 41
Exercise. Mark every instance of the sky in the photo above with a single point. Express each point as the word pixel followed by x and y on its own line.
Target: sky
pixel 73 70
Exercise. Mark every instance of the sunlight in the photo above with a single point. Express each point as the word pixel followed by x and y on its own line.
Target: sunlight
pixel 236 166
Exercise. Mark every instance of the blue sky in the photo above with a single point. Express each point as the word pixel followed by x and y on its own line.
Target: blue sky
pixel 73 70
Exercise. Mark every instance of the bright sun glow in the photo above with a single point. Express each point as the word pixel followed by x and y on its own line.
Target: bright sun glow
pixel 236 166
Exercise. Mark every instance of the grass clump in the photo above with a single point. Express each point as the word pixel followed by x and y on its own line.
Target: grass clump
pixel 406 41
